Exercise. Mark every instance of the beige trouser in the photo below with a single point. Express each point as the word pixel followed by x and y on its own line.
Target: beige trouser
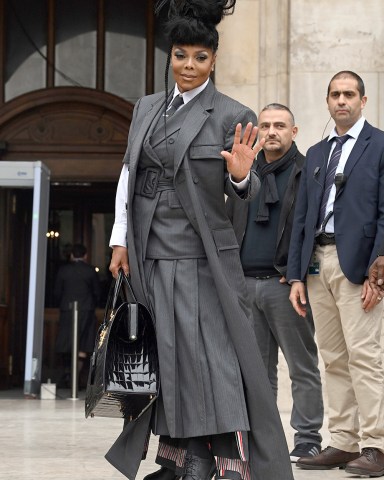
pixel 349 343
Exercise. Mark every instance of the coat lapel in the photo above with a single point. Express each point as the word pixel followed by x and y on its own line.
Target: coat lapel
pixel 137 144
pixel 358 149
pixel 153 110
pixel 196 118
pixel 322 163
pixel 356 153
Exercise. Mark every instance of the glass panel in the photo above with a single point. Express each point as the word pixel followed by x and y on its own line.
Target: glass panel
pixel 125 49
pixel 25 41
pixel 76 42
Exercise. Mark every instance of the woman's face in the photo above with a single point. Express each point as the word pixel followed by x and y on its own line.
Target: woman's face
pixel 191 65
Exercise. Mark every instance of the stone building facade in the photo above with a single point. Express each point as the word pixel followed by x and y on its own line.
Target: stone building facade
pixel 70 74
pixel 286 51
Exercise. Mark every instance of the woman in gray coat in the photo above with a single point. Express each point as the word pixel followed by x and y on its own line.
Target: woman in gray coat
pixel 216 413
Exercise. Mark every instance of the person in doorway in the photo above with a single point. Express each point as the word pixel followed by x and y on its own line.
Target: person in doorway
pixel 263 229
pixel 76 281
pixel 336 235
pixel 216 413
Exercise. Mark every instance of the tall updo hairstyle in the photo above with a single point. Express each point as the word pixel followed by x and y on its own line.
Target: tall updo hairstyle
pixel 193 22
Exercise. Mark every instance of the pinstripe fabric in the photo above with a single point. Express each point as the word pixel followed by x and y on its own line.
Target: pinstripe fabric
pixel 226 465
pixel 201 385
pixel 195 319
pixel 172 454
pixel 240 445
pixel 200 182
pixel 173 457
pixel 200 375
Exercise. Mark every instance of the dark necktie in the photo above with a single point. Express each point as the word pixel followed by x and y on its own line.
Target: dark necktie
pixel 175 104
pixel 330 175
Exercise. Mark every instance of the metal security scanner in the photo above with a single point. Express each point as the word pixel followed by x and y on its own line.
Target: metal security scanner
pixel 37 176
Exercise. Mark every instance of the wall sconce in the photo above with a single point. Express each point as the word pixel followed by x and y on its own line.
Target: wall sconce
pixel 53 234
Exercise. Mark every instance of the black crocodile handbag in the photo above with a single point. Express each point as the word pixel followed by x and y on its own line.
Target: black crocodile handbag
pixel 123 378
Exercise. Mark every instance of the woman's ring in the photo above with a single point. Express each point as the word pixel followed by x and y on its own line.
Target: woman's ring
pixel 379 299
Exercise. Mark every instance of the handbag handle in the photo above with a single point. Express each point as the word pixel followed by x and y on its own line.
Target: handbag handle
pixel 121 286
pixel 126 284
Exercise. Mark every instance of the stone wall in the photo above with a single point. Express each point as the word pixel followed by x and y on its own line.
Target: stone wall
pixel 287 51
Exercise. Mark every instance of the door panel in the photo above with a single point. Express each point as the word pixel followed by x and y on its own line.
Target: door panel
pixel 16 211
pixel 78 214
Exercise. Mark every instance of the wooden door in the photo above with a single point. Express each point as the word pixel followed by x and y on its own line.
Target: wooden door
pixel 81 135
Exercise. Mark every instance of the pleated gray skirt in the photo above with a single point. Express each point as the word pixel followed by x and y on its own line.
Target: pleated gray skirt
pixel 201 384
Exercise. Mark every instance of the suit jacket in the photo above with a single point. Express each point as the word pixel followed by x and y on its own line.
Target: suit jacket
pixel 200 181
pixel 199 167
pixel 77 281
pixel 358 208
pixel 238 213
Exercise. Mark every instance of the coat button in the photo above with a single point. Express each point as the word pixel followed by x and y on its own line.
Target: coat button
pixel 171 140
pixel 195 180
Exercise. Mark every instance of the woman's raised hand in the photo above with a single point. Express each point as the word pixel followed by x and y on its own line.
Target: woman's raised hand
pixel 240 159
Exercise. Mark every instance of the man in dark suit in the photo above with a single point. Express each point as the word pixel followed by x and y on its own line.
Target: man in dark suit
pixel 76 281
pixel 263 230
pixel 337 231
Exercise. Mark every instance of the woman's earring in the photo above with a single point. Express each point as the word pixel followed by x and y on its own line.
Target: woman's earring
pixel 213 68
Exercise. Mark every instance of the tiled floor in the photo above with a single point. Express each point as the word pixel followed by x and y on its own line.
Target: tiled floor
pixel 51 440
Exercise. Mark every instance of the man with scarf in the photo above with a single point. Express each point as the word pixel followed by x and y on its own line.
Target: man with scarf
pixel 263 230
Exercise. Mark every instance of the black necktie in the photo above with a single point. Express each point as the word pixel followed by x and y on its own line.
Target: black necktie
pixel 175 104
pixel 330 175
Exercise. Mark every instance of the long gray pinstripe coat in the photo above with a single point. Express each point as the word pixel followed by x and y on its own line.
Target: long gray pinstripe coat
pixel 200 182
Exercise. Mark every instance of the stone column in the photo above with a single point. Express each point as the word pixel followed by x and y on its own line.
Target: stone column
pixel 274 21
pixel 237 67
pixel 253 55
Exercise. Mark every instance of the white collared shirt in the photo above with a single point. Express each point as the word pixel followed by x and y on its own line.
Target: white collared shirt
pixel 190 94
pixel 353 133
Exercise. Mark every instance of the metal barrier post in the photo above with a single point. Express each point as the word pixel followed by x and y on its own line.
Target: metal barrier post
pixel 75 351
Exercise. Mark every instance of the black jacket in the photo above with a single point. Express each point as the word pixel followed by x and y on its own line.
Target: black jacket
pixel 238 213
pixel 77 281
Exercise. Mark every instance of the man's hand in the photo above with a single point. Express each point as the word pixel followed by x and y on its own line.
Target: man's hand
pixel 240 159
pixel 370 298
pixel 119 260
pixel 298 298
pixel 376 276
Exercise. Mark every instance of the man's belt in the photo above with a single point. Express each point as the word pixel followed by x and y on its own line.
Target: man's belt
pixel 325 239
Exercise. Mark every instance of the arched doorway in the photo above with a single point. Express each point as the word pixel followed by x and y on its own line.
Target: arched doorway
pixel 80 134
